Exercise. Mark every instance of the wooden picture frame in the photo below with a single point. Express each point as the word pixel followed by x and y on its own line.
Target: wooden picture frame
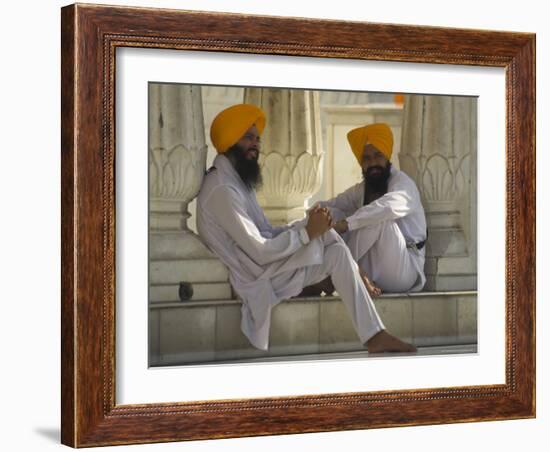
pixel 90 36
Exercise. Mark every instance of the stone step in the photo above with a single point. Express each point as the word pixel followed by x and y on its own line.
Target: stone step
pixel 201 291
pixel 209 331
pixel 195 270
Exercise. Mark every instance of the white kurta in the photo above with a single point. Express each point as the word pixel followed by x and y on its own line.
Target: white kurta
pixel 267 264
pixel 377 245
pixel 234 227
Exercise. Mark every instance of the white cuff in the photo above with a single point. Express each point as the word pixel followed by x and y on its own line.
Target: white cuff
pixel 304 237
pixel 352 224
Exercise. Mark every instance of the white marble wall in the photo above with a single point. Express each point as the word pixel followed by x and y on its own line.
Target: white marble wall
pixel 180 266
pixel 439 151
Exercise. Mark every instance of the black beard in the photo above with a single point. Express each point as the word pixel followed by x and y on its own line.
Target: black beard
pixel 248 169
pixel 377 183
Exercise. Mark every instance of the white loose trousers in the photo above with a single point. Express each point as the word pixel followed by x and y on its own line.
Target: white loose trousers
pixel 382 253
pixel 343 270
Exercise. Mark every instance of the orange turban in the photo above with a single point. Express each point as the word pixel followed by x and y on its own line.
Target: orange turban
pixel 379 135
pixel 232 123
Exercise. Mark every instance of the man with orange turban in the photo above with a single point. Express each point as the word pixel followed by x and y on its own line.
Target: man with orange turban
pixel 382 219
pixel 267 264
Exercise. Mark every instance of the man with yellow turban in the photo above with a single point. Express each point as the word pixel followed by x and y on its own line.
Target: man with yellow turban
pixel 267 264
pixel 382 219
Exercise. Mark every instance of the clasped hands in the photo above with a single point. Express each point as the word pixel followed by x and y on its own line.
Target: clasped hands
pixel 319 221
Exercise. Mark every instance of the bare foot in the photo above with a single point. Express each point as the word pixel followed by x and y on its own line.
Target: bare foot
pixel 384 342
pixel 373 290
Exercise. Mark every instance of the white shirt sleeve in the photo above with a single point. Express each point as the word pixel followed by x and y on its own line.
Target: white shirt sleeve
pixel 347 202
pixel 395 204
pixel 228 209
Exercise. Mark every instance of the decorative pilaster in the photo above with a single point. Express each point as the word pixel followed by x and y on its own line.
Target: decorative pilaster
pixel 181 267
pixel 291 151
pixel 438 150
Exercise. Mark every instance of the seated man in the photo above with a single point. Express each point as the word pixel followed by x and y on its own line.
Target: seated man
pixel 266 263
pixel 381 218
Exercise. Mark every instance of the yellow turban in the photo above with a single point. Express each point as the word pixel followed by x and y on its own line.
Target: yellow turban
pixel 379 135
pixel 231 124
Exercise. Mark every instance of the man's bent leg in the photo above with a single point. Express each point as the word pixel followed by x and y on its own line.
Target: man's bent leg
pixel 382 253
pixel 319 280
pixel 339 264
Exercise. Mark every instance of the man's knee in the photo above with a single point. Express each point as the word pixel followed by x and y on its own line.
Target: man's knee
pixel 337 254
pixel 390 226
pixel 373 233
pixel 377 228
pixel 361 240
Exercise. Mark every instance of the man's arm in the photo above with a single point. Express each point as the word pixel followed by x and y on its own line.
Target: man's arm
pixel 346 202
pixel 398 203
pixel 227 207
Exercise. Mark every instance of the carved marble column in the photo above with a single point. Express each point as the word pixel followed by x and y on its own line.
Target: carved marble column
pixel 291 151
pixel 180 266
pixel 439 151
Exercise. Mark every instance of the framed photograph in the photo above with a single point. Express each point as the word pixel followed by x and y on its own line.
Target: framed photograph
pixel 153 343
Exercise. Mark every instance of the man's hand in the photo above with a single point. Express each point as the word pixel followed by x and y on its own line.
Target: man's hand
pixel 319 221
pixel 312 209
pixel 341 226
